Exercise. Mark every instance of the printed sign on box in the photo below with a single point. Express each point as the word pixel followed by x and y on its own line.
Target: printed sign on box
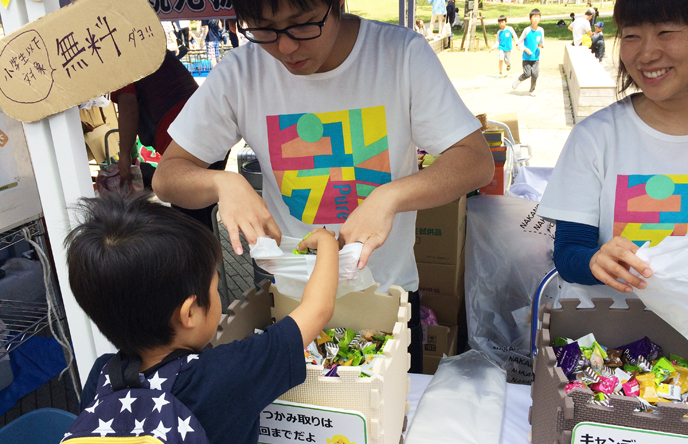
pixel 594 433
pixel 79 52
pixel 287 422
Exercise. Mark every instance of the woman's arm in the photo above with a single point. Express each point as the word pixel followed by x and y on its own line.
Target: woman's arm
pixel 574 246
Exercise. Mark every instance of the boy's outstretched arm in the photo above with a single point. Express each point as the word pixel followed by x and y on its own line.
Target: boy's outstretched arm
pixel 317 303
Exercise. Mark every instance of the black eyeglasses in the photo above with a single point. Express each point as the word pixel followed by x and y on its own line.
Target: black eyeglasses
pixel 306 31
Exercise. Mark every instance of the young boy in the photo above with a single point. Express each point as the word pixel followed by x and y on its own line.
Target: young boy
pixel 503 41
pixel 145 274
pixel 597 46
pixel 532 39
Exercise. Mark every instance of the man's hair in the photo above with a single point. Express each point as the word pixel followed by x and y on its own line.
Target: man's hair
pixel 534 12
pixel 132 262
pixel 251 11
pixel 640 12
pixel 501 18
pixel 590 12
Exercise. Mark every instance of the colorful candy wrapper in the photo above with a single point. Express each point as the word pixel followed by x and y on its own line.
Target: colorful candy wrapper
pixel 586 341
pixel 644 364
pixel 662 369
pixel 678 360
pixel 614 359
pixel 332 351
pixel 323 338
pixel 339 333
pixel 645 406
pixel 599 399
pixel 643 347
pixel 646 380
pixel 312 354
pixel 572 385
pixel 606 385
pixel 682 378
pixel 562 341
pixel 568 357
pixel 631 388
pixel 649 394
pixel 623 378
pixel 427 316
pixel 670 392
pixel 332 373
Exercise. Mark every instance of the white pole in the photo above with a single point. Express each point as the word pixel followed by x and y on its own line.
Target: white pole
pixel 58 155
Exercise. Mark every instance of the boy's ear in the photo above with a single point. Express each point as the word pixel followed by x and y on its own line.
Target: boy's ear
pixel 188 312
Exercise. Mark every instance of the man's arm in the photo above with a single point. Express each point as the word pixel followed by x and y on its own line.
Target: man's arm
pixel 464 167
pixel 184 180
pixel 128 122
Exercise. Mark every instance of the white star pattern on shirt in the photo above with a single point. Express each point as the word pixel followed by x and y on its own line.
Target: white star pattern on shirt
pixel 92 409
pixel 156 382
pixel 138 427
pixel 159 402
pixel 161 431
pixel 191 357
pixel 107 380
pixel 104 427
pixel 127 401
pixel 183 427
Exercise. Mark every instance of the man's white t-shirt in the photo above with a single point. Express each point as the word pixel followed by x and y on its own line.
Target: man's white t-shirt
pixel 581 26
pixel 619 174
pixel 326 140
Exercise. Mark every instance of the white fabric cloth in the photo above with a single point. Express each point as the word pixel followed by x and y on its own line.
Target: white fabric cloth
pixel 622 176
pixel 325 140
pixel 581 26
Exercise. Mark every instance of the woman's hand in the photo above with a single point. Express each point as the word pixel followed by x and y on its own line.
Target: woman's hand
pixel 614 260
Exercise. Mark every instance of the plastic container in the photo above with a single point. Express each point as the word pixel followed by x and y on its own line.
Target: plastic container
pixel 554 413
pixel 382 397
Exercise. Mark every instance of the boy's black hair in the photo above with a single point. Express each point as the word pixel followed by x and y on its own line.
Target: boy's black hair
pixel 251 11
pixel 501 18
pixel 534 12
pixel 640 12
pixel 132 262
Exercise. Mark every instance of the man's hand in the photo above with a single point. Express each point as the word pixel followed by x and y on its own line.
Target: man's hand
pixel 370 223
pixel 125 169
pixel 614 260
pixel 243 210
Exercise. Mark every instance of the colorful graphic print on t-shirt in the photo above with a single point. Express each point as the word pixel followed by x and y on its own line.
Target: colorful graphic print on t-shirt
pixel 326 164
pixel 651 207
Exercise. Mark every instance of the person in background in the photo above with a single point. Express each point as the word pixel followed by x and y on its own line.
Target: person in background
pixel 451 14
pixel 171 37
pixel 439 9
pixel 597 46
pixel 503 41
pixel 336 140
pixel 581 27
pixel 146 275
pixel 531 41
pixel 145 109
pixel 211 34
pixel 621 178
pixel 230 28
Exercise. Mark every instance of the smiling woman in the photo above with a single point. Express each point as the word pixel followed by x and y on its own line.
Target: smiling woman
pixel 628 163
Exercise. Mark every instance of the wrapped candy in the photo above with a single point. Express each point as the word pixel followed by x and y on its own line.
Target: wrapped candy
pixel 572 385
pixel 568 358
pixel 606 385
pixel 631 388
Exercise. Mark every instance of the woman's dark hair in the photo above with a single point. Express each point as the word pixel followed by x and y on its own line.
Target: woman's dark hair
pixel 642 12
pixel 251 11
pixel 132 262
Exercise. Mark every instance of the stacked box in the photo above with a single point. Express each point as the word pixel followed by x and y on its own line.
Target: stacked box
pixel 441 339
pixel 382 397
pixel 554 413
pixel 494 138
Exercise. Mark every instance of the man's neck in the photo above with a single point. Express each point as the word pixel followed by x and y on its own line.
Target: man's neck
pixel 349 26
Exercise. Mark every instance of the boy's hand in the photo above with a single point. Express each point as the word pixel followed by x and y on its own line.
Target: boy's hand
pixel 528 51
pixel 316 238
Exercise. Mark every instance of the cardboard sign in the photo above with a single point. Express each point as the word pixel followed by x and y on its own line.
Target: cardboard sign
pixel 192 9
pixel 79 52
pixel 593 433
pixel 288 422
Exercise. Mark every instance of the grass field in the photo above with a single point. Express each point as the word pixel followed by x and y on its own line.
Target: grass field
pixel 388 10
pixel 552 31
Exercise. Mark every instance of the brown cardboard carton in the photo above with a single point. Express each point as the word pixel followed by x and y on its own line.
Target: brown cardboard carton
pixel 440 340
pixel 441 233
pixel 554 413
pixel 499 183
pixel 443 279
pixel 382 397
pixel 511 120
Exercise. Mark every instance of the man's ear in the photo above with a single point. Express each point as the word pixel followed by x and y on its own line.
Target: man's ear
pixel 188 312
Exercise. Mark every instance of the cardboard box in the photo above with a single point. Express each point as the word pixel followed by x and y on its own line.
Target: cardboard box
pixel 494 137
pixel 498 154
pixel 499 183
pixel 511 121
pixel 554 413
pixel 442 279
pixel 441 233
pixel 440 340
pixel 382 397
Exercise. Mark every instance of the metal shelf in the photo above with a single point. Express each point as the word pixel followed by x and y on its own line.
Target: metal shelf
pixel 16 235
pixel 22 320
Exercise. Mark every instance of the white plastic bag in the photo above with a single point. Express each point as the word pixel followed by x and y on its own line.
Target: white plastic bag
pixel 666 293
pixel 292 271
pixel 508 251
pixel 464 403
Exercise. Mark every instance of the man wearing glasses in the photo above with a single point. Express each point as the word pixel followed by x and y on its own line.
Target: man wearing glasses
pixel 334 106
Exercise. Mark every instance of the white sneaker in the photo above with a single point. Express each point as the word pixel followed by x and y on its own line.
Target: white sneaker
pixel 516 83
pixel 533 94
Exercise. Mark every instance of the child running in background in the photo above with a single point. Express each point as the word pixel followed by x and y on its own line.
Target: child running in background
pixel 145 274
pixel 503 41
pixel 532 39
pixel 597 46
